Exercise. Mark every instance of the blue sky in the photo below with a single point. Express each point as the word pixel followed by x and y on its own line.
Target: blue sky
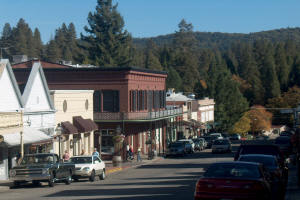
pixel 148 18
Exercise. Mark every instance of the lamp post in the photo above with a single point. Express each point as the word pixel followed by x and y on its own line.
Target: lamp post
pixel 58 131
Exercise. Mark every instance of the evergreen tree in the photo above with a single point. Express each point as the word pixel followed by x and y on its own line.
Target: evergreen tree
pixel 173 79
pixel 282 67
pixel 107 43
pixel 52 52
pixel 21 38
pixel 38 45
pixel 151 57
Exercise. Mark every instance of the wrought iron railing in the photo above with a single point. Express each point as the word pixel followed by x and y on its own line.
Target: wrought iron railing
pixel 137 115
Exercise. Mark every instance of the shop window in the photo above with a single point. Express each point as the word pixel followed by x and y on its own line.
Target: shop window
pixel 65 106
pixel 111 101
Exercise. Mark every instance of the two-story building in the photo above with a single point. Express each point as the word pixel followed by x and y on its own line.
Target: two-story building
pixel 15 140
pixel 126 100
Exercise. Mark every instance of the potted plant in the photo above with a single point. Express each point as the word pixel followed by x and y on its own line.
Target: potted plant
pixel 118 142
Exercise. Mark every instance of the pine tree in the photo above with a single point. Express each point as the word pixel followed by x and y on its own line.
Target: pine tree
pixel 282 68
pixel 151 57
pixel 52 52
pixel 107 42
pixel 38 45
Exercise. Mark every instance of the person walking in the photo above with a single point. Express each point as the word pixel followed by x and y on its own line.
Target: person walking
pixel 139 155
pixel 66 156
pixel 95 153
pixel 127 152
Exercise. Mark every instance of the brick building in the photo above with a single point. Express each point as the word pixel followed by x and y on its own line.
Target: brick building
pixel 127 100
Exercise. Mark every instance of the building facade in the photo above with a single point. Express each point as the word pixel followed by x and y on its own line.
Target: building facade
pixel 126 100
pixel 75 115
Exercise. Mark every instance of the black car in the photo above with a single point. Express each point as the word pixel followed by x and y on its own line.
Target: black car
pixel 284 144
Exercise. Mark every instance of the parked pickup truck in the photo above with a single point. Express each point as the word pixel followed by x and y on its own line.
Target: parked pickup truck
pixel 44 167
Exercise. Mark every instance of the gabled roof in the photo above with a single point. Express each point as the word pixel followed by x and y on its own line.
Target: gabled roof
pixel 35 70
pixel 4 63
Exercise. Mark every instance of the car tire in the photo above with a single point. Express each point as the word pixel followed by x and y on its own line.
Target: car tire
pixel 69 179
pixel 102 175
pixel 92 177
pixel 17 184
pixel 75 179
pixel 36 183
pixel 51 181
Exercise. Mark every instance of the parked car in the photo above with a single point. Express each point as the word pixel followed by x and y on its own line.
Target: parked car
pixel 199 144
pixel 235 136
pixel 286 133
pixel 221 145
pixel 234 180
pixel 260 147
pixel 284 144
pixel 176 149
pixel 271 163
pixel 189 145
pixel 208 140
pixel 88 167
pixel 216 135
pixel 45 167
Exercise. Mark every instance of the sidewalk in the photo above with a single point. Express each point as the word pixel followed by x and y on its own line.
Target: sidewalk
pixel 292 189
pixel 129 164
pixel 5 185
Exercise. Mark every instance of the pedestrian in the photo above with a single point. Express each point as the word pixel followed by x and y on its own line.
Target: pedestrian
pixel 95 153
pixel 82 152
pixel 139 155
pixel 127 152
pixel 130 153
pixel 66 156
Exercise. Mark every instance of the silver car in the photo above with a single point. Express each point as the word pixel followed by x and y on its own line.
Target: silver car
pixel 221 145
pixel 88 167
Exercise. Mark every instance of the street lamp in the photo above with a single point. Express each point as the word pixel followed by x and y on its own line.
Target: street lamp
pixel 58 131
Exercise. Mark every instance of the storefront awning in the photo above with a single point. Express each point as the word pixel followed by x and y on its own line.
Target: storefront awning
pixel 92 124
pixel 68 128
pixel 30 136
pixel 84 125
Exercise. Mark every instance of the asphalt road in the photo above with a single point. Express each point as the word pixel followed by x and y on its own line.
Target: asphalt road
pixel 171 178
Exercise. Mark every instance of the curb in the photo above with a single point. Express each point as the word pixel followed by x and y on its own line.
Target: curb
pixel 117 169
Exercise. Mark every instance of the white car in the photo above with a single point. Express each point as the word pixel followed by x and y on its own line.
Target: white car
pixel 221 145
pixel 88 167
pixel 190 142
pixel 217 135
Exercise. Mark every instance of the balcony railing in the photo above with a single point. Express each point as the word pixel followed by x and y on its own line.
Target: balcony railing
pixel 137 115
pixel 10 119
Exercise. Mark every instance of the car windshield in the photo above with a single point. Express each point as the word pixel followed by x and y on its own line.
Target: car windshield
pixel 267 161
pixel 175 145
pixel 81 160
pixel 222 170
pixel 220 142
pixel 37 159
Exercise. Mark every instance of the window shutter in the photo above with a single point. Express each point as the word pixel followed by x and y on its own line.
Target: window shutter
pixel 97 101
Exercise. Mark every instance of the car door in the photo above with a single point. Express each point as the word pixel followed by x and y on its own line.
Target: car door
pixel 97 165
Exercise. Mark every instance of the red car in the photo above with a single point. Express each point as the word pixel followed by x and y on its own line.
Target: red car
pixel 234 180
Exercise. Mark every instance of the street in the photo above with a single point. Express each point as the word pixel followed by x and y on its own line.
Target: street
pixel 171 178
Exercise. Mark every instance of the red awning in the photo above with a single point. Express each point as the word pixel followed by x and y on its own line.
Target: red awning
pixel 84 125
pixel 68 128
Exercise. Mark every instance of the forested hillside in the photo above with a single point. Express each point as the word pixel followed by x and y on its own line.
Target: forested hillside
pixel 237 70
